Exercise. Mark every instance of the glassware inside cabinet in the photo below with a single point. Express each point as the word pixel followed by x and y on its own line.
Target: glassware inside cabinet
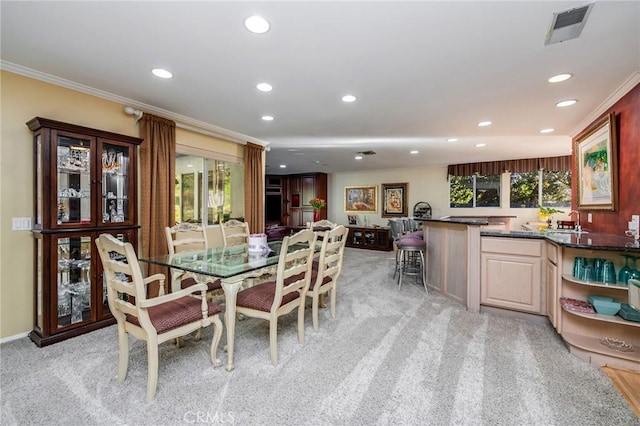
pixel 74 180
pixel 115 183
pixel 74 280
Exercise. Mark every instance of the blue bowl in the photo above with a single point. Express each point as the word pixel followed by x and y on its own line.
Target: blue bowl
pixel 606 307
pixel 591 298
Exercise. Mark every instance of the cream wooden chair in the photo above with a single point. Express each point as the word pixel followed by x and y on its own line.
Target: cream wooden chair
pixel 327 270
pixel 272 299
pixel 322 225
pixel 185 237
pixel 234 232
pixel 157 319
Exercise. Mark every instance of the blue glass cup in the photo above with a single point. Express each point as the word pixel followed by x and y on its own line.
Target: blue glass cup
pixel 598 269
pixel 609 273
pixel 578 266
pixel 587 273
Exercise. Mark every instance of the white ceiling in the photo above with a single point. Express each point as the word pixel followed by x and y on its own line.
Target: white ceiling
pixel 422 72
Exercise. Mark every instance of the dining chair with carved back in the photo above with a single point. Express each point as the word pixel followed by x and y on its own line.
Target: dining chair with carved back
pixel 234 232
pixel 184 237
pixel 152 319
pixel 326 270
pixel 272 299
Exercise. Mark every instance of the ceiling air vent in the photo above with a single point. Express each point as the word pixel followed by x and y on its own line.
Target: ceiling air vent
pixel 568 24
pixel 367 152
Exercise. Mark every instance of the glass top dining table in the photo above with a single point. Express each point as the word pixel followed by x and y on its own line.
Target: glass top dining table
pixel 232 265
pixel 220 262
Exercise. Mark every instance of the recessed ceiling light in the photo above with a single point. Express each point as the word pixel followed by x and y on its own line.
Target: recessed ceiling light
pixel 267 118
pixel 484 124
pixel 264 87
pixel 546 130
pixel 283 166
pixel 348 98
pixel 358 157
pixel 162 73
pixel 256 24
pixel 560 77
pixel 452 140
pixel 480 145
pixel 566 103
pixel 413 152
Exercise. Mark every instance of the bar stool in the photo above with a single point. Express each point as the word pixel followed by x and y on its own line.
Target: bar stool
pixel 410 259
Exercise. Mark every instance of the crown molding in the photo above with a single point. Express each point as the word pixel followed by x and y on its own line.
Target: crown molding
pixel 186 122
pixel 624 88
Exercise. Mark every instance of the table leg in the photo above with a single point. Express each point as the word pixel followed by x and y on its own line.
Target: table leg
pixel 230 288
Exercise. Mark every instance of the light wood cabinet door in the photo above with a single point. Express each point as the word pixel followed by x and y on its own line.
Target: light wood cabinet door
pixel 512 282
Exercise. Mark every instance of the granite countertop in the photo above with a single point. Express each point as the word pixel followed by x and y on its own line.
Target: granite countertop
pixel 457 219
pixel 584 240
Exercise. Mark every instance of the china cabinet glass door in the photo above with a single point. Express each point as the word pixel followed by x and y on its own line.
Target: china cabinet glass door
pixel 73 159
pixel 73 279
pixel 116 183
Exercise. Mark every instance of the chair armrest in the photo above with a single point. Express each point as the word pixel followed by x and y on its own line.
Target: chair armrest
pixel 159 300
pixel 157 277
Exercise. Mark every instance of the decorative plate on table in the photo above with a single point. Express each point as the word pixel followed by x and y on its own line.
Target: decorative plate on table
pixel 576 305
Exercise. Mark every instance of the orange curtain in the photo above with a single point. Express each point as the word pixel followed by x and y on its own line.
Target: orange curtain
pixel 157 185
pixel 254 187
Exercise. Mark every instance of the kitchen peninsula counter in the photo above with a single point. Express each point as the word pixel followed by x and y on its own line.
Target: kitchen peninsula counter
pixel 528 273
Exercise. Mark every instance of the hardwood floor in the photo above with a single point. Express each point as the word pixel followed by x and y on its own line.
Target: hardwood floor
pixel 628 384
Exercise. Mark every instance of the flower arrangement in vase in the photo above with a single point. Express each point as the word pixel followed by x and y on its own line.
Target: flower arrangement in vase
pixel 545 214
pixel 317 204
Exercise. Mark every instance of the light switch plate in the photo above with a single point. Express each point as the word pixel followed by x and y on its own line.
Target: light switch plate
pixel 589 218
pixel 21 224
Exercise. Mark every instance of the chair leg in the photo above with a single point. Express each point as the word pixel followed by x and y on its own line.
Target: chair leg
pixel 273 340
pixel 423 272
pixel 217 334
pixel 123 353
pixel 301 319
pixel 314 311
pixel 400 267
pixel 333 302
pixel 152 361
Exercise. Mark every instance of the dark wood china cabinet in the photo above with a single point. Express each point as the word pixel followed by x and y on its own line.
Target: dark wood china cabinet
pixel 85 184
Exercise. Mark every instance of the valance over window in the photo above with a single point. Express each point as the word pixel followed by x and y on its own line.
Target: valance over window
pixel 554 164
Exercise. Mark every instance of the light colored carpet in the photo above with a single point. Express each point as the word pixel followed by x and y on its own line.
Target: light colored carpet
pixel 391 357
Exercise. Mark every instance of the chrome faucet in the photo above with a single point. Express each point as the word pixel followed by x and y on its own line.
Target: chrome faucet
pixel 577 226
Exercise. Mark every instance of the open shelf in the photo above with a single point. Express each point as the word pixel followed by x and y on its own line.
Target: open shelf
pixel 575 280
pixel 607 318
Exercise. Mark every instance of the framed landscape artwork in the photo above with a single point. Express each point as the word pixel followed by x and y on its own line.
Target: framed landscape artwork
pixel 394 199
pixel 360 199
pixel 596 164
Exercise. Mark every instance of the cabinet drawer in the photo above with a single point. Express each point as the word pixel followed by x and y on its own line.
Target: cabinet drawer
pixel 513 246
pixel 552 253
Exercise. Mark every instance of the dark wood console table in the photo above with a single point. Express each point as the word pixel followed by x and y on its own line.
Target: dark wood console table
pixel 370 237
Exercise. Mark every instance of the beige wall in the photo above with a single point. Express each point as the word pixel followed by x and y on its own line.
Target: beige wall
pixel 23 98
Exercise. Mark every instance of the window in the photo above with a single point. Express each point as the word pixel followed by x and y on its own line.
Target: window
pixel 204 190
pixel 551 189
pixel 474 191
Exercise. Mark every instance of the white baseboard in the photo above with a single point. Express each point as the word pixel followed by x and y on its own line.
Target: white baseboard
pixel 15 337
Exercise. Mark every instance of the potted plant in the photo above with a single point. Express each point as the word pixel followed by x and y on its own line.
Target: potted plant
pixel 545 214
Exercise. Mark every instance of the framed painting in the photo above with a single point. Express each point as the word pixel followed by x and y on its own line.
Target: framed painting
pixel 394 199
pixel 596 166
pixel 360 199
